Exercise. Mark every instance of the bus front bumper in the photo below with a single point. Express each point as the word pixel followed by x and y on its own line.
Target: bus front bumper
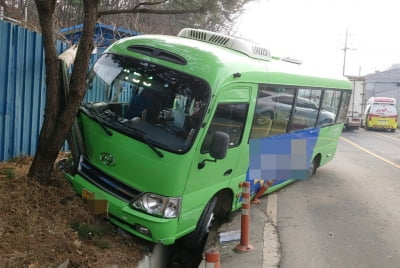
pixel 154 229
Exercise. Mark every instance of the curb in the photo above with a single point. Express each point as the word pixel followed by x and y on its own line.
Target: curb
pixel 271 251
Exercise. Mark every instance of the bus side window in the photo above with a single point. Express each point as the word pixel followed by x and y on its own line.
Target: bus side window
pixel 344 107
pixel 306 109
pixel 229 118
pixel 329 108
pixel 273 109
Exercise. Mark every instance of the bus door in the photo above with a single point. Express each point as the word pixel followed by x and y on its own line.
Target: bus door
pixel 207 175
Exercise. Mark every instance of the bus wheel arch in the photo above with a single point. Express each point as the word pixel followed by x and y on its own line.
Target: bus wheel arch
pixel 196 239
pixel 314 164
pixel 218 208
pixel 223 207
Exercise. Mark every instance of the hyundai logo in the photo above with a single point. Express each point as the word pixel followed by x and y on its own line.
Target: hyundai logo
pixel 107 159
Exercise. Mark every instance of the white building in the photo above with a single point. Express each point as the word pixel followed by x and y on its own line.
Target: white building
pixel 384 84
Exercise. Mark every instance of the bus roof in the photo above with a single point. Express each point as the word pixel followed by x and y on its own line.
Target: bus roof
pixel 224 60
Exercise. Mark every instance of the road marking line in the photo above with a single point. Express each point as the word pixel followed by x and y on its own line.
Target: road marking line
pixel 371 153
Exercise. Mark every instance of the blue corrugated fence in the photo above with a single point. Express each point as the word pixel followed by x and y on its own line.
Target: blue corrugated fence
pixel 22 90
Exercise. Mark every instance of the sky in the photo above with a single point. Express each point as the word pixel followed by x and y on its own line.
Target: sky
pixel 314 31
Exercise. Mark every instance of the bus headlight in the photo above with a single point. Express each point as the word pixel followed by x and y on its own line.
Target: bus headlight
pixel 158 205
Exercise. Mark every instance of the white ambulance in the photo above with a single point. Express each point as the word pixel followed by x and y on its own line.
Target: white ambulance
pixel 380 113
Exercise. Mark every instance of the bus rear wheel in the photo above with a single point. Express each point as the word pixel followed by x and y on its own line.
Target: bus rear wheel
pixel 313 167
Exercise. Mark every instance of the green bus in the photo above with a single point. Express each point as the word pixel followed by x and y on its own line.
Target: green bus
pixel 172 125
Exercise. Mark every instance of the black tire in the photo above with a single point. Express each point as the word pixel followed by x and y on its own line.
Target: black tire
pixel 196 239
pixel 313 168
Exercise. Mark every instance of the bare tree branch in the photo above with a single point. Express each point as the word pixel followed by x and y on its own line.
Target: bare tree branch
pixel 3 4
pixel 136 9
pixel 150 3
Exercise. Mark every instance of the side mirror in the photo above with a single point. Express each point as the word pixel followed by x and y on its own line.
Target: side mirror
pixel 219 145
pixel 218 149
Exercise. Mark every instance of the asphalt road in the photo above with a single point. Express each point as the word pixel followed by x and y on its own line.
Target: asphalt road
pixel 348 214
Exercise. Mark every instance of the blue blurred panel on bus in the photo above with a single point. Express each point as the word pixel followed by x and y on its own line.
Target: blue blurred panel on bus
pixel 269 157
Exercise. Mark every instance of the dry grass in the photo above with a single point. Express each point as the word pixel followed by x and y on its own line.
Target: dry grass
pixel 45 226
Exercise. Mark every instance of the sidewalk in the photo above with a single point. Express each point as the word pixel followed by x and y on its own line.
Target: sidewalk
pixel 263 237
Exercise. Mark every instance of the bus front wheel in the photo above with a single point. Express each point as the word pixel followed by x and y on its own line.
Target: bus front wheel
pixel 197 238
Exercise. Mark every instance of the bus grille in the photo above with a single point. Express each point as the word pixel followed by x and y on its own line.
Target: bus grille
pixel 106 182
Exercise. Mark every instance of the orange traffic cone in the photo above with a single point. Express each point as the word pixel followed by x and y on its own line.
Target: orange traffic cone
pixel 212 258
pixel 261 191
pixel 244 244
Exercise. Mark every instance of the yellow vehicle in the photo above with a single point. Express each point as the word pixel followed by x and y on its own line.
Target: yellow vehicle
pixel 381 113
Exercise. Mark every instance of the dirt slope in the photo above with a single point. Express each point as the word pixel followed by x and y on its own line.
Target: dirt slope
pixel 45 226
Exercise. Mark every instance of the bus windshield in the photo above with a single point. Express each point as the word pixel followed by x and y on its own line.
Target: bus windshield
pixel 157 105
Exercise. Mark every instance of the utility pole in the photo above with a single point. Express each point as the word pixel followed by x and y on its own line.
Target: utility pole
pixel 345 51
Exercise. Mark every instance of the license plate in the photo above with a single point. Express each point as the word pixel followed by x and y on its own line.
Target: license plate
pixel 383 121
pixel 98 207
pixel 87 195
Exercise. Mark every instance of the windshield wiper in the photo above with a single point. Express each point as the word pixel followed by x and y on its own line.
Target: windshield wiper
pixel 141 135
pixel 151 145
pixel 89 112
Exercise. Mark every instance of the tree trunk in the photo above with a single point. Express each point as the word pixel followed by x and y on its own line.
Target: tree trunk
pixel 60 113
pixel 42 164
